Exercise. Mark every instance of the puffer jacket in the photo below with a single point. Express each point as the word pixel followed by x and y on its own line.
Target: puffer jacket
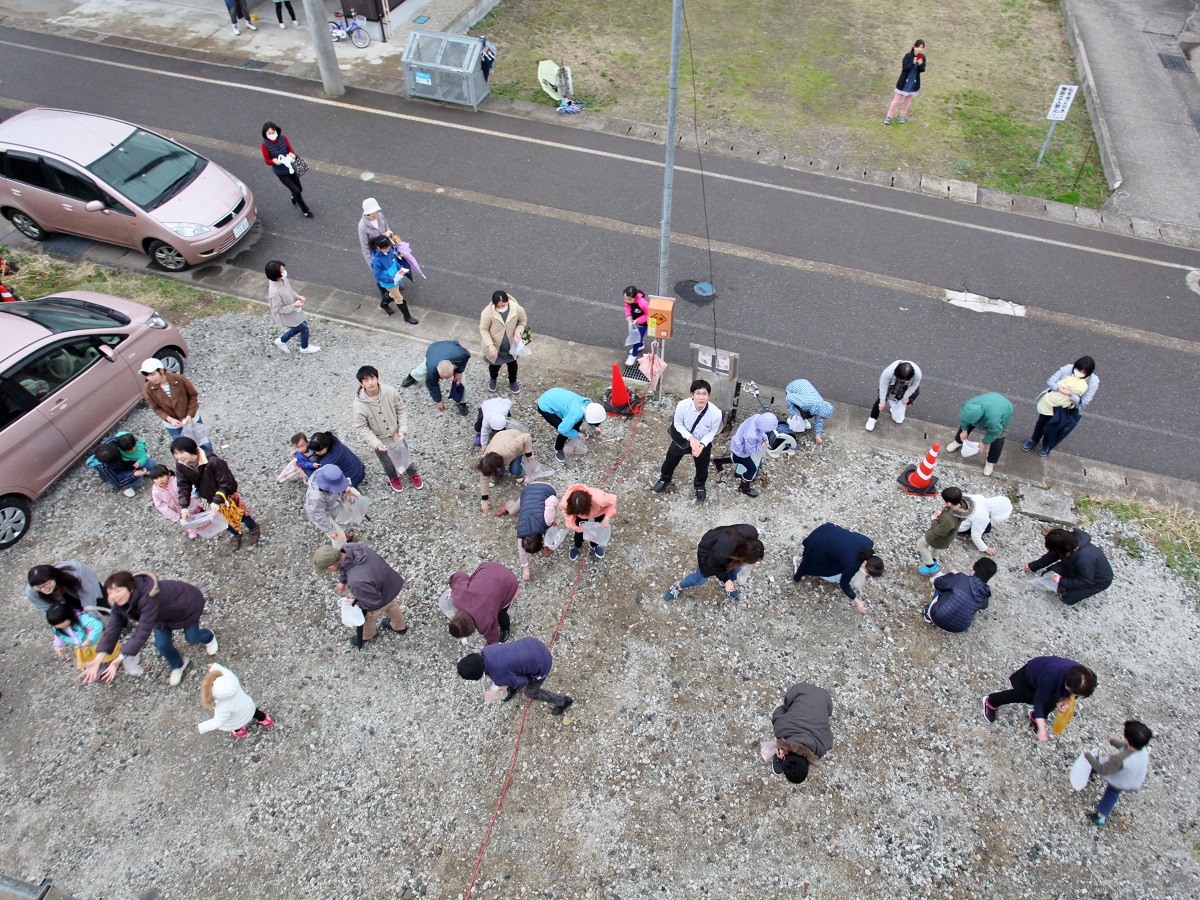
pixel 377 421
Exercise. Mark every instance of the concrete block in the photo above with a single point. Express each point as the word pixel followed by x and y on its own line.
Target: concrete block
pixel 1046 506
pixel 992 199
pixel 1144 228
pixel 906 181
pixel 1088 218
pixel 1116 222
pixel 1029 206
pixel 1060 212
pixel 1181 235
pixel 823 167
pixel 938 187
pixel 882 177
pixel 962 191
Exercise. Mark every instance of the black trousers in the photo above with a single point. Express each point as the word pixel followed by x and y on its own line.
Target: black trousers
pixel 279 5
pixel 292 183
pixel 494 371
pixel 878 407
pixel 675 453
pixel 994 449
pixel 1021 691
pixel 555 421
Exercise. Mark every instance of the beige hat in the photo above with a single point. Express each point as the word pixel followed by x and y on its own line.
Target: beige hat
pixel 325 557
pixel 151 365
pixel 370 205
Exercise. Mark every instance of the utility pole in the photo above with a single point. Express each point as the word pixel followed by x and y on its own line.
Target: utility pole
pixel 331 75
pixel 664 235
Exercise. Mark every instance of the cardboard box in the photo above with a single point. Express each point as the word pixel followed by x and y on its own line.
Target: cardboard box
pixel 661 314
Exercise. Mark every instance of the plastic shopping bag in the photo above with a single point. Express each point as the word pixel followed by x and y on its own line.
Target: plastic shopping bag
pixel 595 533
pixel 291 472
pixel 207 524
pixel 535 471
pixel 898 410
pixel 1081 771
pixel 634 336
pixel 400 456
pixel 197 431
pixel 352 508
pixel 1045 582
pixel 554 537
pixel 519 348
pixel 970 448
pixel 798 423
pixel 576 446
pixel 352 616
pixel 768 749
pixel 446 604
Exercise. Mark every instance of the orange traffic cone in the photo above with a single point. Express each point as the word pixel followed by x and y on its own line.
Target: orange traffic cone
pixel 619 396
pixel 918 481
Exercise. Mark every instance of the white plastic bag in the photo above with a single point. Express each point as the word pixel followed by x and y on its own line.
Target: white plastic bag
pixel 197 431
pixel 1081 771
pixel 535 471
pixel 446 604
pixel 970 448
pixel 768 749
pixel 798 423
pixel 634 336
pixel 519 348
pixel 207 524
pixel 898 410
pixel 291 472
pixel 1045 582
pixel 576 446
pixel 400 456
pixel 595 533
pixel 351 509
pixel 554 537
pixel 351 614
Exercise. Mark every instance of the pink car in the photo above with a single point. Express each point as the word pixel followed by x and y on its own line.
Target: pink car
pixel 69 372
pixel 105 179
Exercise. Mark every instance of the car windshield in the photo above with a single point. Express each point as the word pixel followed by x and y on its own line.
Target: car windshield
pixel 59 314
pixel 148 169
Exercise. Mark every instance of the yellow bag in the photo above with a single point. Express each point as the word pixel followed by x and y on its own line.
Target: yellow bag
pixel 1063 718
pixel 84 655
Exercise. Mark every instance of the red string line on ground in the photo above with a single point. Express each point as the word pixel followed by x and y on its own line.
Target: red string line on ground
pixel 512 765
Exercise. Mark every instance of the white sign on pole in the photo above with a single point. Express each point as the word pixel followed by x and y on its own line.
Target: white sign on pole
pixel 1062 102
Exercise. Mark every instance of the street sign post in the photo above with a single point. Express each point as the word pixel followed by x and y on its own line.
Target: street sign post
pixel 1059 107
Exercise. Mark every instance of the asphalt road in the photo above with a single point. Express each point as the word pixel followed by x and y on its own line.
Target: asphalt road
pixel 820 278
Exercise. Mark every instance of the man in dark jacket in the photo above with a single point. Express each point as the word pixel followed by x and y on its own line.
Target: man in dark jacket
pixel 519 666
pixel 481 601
pixel 372 583
pixel 446 360
pixel 213 482
pixel 152 607
pixel 1077 567
pixel 840 555
pixel 802 732
pixel 957 596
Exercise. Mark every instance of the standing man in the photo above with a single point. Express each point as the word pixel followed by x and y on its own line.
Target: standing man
pixel 213 482
pixel 696 424
pixel 802 732
pixel 172 398
pixel 567 412
pixel 445 360
pixel 990 413
pixel 381 421
pixel 522 665
pixel 372 583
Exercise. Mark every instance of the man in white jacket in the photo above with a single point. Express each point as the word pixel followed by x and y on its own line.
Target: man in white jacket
pixel 984 512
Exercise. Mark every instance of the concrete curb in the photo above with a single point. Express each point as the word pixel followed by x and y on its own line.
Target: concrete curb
pixel 1104 141
pixel 948 188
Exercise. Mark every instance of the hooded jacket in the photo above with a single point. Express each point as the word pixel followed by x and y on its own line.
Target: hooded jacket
pixel 182 402
pixel 172 605
pixel 233 707
pixel 989 412
pixel 482 594
pixel 517 663
pixel 1083 573
pixel 833 550
pixel 984 511
pixel 378 420
pixel 716 549
pixel 371 581
pixel 957 597
pixel 803 718
pixel 941 532
pixel 748 440
pixel 802 398
pixel 210 476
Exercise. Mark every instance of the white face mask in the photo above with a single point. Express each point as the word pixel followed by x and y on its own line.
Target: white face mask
pixel 272 136
pixel 1079 374
pixel 283 273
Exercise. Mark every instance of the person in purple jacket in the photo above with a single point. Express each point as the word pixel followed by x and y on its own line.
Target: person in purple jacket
pixel 481 601
pixel 1044 681
pixel 957 596
pixel 519 666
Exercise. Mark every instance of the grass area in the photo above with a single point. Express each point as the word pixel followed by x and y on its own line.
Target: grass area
pixel 815 78
pixel 181 303
pixel 1174 532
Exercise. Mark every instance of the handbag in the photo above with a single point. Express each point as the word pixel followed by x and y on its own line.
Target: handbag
pixel 678 439
pixel 299 166
pixel 232 510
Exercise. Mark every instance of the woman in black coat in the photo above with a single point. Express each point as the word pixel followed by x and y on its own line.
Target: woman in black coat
pixel 1078 569
pixel 909 82
pixel 722 553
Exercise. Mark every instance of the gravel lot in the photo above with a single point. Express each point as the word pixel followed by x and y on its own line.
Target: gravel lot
pixel 384 768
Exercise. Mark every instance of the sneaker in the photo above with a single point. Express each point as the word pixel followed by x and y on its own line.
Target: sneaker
pixel 356 642
pixel 929 570
pixel 559 710
pixel 989 711
pixel 514 387
pixel 1097 819
pixel 870 426
pixel 734 594
pixel 504 634
pixel 1028 445
pixel 887 120
pixel 463 409
pixel 254 27
pixel 240 732
pixel 416 480
pixel 267 721
pixel 1045 451
pixel 574 554
pixel 255 536
pixel 796 560
pixel 282 346
pixel 281 25
pixel 671 593
pixel 310 349
pixel 776 765
pixel 177 674
pixel 308 215
pixel 408 381
pixel 989 468
pixel 925 614
pixel 597 551
pixel 492 384
pixel 558 454
pixel 211 646
pixel 952 446
pixel 236 30
pixel 631 360
pixel 129 492
pixel 660 486
pixel 701 495
pixel 396 483
pixel 901 120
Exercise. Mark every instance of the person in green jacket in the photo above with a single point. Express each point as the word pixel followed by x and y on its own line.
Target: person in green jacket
pixel 940 534
pixel 990 413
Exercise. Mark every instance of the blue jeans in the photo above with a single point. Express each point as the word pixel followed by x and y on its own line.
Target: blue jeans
pixel 117 479
pixel 637 348
pixel 176 432
pixel 696 579
pixel 193 634
pixel 248 525
pixel 1108 801
pixel 302 330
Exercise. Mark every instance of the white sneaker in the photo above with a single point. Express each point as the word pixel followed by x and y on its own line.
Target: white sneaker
pixel 282 346
pixel 796 564
pixel 252 26
pixel 631 360
pixel 281 25
pixel 989 468
pixel 129 492
pixel 870 426
pixel 177 674
pixel 236 30
pixel 952 446
pixel 211 646
pixel 310 349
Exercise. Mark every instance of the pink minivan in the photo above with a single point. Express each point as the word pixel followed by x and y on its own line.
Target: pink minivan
pixel 105 179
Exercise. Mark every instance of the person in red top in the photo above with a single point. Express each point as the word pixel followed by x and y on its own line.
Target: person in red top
pixel 278 154
pixel 481 601
pixel 581 504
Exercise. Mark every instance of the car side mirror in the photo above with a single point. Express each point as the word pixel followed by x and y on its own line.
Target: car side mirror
pixel 105 350
pixel 94 206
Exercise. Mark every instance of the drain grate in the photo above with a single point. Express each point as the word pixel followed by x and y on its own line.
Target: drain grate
pixel 67 245
pixel 254 64
pixel 1175 63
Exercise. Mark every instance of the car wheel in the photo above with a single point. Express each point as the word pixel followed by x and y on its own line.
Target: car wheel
pixel 26 225
pixel 165 256
pixel 14 519
pixel 171 359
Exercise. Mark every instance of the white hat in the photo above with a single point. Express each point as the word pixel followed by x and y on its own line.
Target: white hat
pixel 151 365
pixel 370 205
pixel 496 420
pixel 593 413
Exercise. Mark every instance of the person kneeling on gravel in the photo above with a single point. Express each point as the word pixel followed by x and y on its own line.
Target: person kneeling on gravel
pixel 982 513
pixel 371 582
pixel 481 601
pixel 802 732
pixel 1077 568
pixel 957 596
pixel 504 450
pixel 521 666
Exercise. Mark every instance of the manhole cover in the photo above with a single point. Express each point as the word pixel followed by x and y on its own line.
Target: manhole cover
pixel 1174 63
pixel 690 292
pixel 67 245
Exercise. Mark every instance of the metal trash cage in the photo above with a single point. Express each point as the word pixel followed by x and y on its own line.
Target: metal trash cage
pixel 445 67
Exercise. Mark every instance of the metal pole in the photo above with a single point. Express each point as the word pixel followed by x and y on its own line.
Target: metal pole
pixel 1046 143
pixel 331 75
pixel 664 235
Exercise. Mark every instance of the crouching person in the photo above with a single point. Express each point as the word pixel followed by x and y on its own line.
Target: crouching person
pixel 520 666
pixel 372 583
pixel 481 601
pixel 957 596
pixel 802 732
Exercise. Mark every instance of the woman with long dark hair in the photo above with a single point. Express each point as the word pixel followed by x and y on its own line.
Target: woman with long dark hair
pixel 722 553
pixel 909 82
pixel 71 583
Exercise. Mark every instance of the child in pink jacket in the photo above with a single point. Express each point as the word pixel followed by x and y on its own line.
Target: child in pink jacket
pixel 163 493
pixel 579 505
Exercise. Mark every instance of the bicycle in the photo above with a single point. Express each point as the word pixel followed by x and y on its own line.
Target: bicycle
pixel 353 30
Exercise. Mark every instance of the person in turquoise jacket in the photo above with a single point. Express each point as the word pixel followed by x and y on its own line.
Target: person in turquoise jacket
pixel 566 411
pixel 991 414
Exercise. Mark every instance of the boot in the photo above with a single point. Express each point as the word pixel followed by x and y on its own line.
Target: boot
pixel 408 316
pixel 236 542
pixel 746 489
pixel 386 306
